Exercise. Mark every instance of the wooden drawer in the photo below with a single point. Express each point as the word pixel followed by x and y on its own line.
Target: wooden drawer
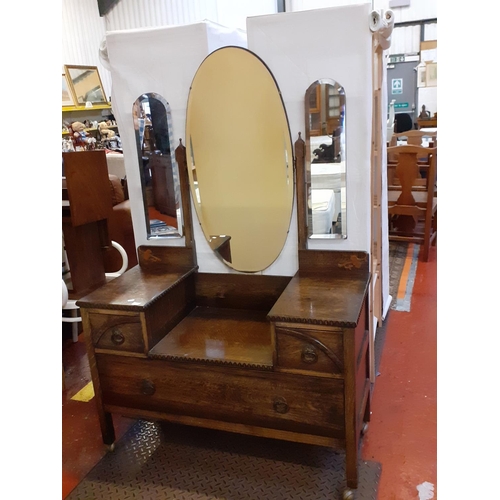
pixel 309 405
pixel 117 332
pixel 309 349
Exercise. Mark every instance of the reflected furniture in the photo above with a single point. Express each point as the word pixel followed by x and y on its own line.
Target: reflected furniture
pixel 412 197
pixel 157 165
pixel 325 160
pixel 162 182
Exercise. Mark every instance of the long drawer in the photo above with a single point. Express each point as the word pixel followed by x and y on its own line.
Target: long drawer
pixel 303 404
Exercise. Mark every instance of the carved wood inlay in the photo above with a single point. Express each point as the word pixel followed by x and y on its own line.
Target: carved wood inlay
pixel 353 262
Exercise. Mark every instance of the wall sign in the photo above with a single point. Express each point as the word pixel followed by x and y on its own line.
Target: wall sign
pixel 397 58
pixel 397 86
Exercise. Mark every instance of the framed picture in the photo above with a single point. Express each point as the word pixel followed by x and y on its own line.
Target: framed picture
pixel 421 76
pixel 431 75
pixel 67 96
pixel 86 85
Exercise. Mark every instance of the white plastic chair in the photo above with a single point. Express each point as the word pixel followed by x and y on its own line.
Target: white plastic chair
pixel 70 305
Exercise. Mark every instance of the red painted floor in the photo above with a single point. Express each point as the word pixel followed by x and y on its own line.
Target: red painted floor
pixel 403 430
pixel 402 435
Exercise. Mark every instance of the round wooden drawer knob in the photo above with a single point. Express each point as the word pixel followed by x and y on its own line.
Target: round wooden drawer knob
pixel 148 388
pixel 117 337
pixel 280 405
pixel 309 355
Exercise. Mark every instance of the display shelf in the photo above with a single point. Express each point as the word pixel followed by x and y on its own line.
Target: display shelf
pixel 66 109
pixel 93 129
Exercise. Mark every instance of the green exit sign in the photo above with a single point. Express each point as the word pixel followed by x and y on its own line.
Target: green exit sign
pixel 400 105
pixel 397 58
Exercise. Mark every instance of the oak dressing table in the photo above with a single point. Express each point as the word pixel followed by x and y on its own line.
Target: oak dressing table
pixel 274 356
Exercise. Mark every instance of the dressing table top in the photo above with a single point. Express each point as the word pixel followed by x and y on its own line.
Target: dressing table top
pixel 134 290
pixel 319 299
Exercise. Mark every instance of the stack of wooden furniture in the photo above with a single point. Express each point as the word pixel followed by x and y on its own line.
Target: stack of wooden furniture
pixel 412 195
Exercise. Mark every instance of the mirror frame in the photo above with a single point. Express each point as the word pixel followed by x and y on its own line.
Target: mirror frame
pixel 67 68
pixel 307 180
pixel 218 238
pixel 71 100
pixel 176 167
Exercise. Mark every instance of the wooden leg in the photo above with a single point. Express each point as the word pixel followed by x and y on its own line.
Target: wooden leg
pixel 351 434
pixel 105 418
pixel 107 428
pixel 351 466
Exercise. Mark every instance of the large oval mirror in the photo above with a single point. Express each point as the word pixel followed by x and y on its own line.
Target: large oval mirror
pixel 240 162
pixel 158 168
pixel 325 160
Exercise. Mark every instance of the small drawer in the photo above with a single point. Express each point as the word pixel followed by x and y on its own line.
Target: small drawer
pixel 310 350
pixel 117 332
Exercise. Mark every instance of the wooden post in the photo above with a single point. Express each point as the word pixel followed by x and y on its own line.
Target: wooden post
pixel 300 169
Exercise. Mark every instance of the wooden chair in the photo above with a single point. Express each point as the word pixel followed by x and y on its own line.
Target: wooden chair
pixel 414 138
pixel 412 198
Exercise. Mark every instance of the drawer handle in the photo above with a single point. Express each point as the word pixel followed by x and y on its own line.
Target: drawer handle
pixel 309 355
pixel 148 388
pixel 280 405
pixel 117 337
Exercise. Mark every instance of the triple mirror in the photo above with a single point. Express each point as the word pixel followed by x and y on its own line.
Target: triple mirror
pixel 325 160
pixel 86 85
pixel 240 159
pixel 159 171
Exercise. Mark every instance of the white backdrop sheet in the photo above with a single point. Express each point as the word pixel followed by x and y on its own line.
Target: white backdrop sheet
pixel 162 60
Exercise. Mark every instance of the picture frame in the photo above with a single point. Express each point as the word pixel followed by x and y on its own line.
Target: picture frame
pixel 431 75
pixel 86 85
pixel 421 76
pixel 67 94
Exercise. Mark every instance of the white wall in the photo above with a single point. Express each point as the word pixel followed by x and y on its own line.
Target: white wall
pixel 291 47
pixel 82 32
pixel 234 13
pixel 134 58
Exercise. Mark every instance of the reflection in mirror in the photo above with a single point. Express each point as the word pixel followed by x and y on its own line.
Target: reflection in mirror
pixel 239 156
pixel 158 169
pixel 86 84
pixel 325 160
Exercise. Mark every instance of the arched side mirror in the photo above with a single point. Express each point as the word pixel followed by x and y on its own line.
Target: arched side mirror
pixel 159 171
pixel 325 160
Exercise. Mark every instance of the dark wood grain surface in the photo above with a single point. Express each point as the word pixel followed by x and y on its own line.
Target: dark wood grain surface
pixel 225 336
pixel 283 401
pixel 133 290
pixel 322 299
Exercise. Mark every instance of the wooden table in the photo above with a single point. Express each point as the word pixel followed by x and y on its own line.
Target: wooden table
pixel 273 356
